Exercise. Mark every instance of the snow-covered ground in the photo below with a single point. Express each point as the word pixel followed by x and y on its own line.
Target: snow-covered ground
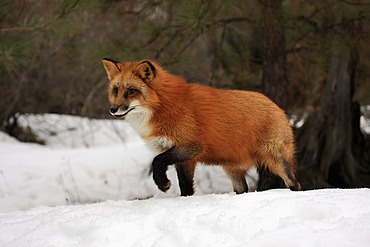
pixel 82 189
pixel 273 218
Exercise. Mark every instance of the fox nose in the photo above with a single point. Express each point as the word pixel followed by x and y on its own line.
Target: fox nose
pixel 113 110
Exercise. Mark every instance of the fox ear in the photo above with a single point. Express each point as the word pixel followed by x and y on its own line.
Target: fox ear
pixel 145 71
pixel 111 66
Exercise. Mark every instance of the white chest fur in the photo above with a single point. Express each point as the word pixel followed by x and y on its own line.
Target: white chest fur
pixel 159 144
pixel 139 121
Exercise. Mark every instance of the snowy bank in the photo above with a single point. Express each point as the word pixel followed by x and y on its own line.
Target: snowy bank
pixel 80 190
pixel 273 218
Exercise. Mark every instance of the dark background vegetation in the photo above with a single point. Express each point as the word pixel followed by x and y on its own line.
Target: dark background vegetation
pixel 311 57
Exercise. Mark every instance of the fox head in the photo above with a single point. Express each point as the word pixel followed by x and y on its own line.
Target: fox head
pixel 130 91
pixel 142 91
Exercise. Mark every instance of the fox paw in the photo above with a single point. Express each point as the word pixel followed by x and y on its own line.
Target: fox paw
pixel 164 186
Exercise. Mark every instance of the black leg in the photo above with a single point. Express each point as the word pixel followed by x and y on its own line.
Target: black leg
pixel 185 175
pixel 237 177
pixel 267 180
pixel 175 155
pixel 273 180
pixel 291 175
pixel 159 167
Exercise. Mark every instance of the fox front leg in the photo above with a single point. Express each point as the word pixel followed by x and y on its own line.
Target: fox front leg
pixel 174 155
pixel 185 174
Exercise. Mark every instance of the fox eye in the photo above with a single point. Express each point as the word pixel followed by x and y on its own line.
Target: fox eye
pixel 115 91
pixel 131 91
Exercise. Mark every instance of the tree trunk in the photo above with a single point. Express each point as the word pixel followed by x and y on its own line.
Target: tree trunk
pixel 274 55
pixel 273 72
pixel 329 137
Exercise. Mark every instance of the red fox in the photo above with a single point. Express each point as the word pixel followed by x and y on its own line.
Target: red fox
pixel 185 123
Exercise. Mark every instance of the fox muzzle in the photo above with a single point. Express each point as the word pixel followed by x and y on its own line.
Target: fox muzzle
pixel 121 111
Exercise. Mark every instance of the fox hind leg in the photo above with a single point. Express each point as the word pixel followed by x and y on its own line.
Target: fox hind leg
pixel 281 168
pixel 237 177
pixel 289 170
pixel 268 180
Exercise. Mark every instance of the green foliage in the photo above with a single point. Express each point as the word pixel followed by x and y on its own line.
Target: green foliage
pixel 195 18
pixel 50 51
pixel 14 55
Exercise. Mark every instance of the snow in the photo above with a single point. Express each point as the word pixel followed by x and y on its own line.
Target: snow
pixel 90 186
pixel 273 218
pixel 365 119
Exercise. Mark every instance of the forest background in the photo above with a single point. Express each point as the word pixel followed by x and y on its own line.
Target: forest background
pixel 311 57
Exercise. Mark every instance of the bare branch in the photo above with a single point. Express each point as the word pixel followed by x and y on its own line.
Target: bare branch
pixel 235 19
pixel 358 3
pixel 21 29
